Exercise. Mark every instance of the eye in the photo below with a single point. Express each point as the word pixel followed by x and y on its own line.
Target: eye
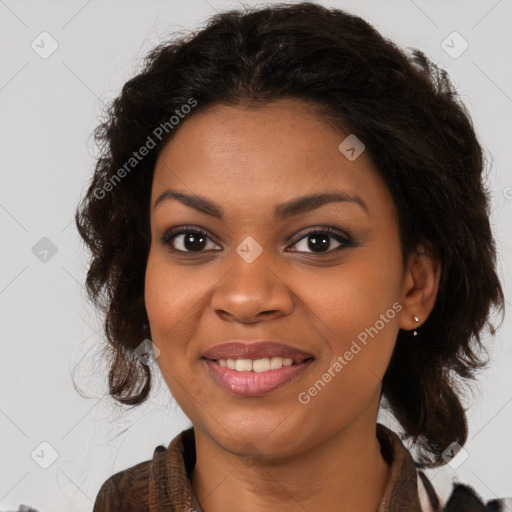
pixel 194 240
pixel 188 240
pixel 319 240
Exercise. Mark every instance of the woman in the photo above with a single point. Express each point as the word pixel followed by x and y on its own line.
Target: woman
pixel 292 210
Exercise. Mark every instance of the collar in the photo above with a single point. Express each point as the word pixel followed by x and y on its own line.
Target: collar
pixel 401 491
pixel 171 489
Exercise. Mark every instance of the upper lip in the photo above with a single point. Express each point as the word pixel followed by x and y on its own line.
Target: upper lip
pixel 255 350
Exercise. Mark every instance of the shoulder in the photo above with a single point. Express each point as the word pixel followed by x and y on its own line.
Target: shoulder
pixel 128 489
pixel 462 498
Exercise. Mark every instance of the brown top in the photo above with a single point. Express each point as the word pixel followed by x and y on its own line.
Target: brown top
pixel 163 483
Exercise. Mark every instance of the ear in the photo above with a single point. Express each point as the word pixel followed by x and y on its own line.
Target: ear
pixel 420 286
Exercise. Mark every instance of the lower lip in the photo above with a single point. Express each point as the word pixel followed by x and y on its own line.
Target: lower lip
pixel 254 383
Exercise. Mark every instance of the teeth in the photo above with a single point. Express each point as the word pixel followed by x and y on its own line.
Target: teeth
pixel 261 365
pixel 257 365
pixel 243 365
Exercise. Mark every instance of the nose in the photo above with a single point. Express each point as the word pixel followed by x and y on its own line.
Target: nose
pixel 251 292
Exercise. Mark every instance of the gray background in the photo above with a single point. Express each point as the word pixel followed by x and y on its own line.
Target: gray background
pixel 48 109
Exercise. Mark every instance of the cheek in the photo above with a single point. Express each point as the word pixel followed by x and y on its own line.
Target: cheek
pixel 352 296
pixel 169 305
pixel 174 298
pixel 168 295
pixel 355 310
pixel 358 324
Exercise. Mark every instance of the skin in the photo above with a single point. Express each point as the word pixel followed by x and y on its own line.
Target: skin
pixel 274 452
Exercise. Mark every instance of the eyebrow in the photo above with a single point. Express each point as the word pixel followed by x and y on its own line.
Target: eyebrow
pixel 282 211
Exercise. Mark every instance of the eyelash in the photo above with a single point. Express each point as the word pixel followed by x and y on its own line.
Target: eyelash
pixel 344 239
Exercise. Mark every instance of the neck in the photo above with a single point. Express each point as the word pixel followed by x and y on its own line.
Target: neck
pixel 344 472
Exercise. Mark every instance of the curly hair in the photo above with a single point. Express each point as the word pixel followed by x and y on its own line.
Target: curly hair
pixel 417 133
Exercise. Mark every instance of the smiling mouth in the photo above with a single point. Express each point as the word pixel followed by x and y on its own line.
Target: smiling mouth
pixel 255 377
pixel 259 365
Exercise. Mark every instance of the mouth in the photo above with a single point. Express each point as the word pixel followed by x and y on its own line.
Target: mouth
pixel 255 350
pixel 259 365
pixel 255 369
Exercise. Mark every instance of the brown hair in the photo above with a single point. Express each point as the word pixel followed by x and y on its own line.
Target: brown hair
pixel 416 131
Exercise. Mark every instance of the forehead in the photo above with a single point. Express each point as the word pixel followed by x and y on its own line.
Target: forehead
pixel 278 150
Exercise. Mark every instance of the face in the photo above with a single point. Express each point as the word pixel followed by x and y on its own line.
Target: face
pixel 261 271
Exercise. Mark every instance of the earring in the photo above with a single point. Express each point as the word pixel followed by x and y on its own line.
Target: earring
pixel 416 319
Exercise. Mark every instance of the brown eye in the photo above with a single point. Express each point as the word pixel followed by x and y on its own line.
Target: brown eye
pixel 187 240
pixel 320 241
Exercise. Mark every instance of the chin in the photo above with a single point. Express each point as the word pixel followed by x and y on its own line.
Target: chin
pixel 255 435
